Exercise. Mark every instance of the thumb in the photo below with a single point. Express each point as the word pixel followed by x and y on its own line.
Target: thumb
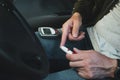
pixel 76 50
pixel 75 30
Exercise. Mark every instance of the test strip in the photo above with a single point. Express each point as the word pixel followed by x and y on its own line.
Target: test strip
pixel 66 50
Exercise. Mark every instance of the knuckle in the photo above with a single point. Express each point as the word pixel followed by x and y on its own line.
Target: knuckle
pixel 70 63
pixel 70 57
pixel 79 73
pixel 70 38
pixel 90 75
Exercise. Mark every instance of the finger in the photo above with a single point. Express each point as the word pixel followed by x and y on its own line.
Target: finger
pixel 78 54
pixel 77 50
pixel 83 74
pixel 74 57
pixel 78 69
pixel 80 37
pixel 75 30
pixel 65 32
pixel 63 39
pixel 79 64
pixel 82 52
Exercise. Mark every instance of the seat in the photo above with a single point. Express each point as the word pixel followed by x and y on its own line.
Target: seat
pixel 21 53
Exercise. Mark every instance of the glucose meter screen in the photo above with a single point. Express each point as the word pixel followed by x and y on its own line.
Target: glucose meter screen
pixel 47 31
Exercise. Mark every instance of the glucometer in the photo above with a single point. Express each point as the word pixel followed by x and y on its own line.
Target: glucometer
pixel 66 50
pixel 49 32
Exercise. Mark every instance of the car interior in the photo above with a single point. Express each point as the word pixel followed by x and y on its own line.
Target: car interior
pixel 45 12
pixel 21 55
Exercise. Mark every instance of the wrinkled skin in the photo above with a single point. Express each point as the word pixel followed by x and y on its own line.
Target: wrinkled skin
pixel 89 64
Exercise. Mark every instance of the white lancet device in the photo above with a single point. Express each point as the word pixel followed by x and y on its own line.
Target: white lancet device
pixel 66 50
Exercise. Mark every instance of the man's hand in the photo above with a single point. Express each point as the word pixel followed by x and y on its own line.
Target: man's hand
pixel 70 29
pixel 91 64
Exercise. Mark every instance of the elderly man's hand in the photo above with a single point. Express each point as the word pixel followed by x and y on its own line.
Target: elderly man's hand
pixel 91 64
pixel 70 29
